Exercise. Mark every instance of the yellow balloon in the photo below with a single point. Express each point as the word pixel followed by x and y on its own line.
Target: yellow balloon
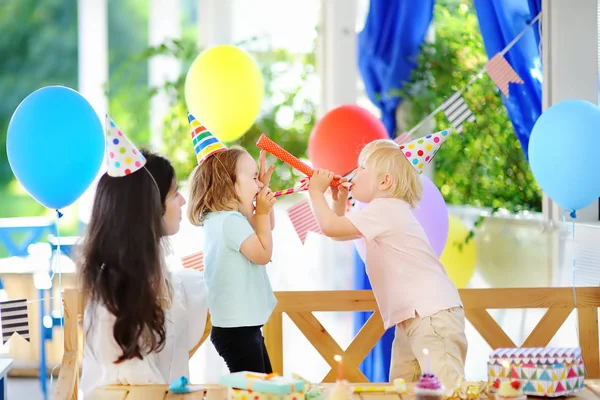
pixel 459 261
pixel 224 89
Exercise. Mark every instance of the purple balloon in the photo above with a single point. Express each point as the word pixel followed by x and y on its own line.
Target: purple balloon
pixel 431 213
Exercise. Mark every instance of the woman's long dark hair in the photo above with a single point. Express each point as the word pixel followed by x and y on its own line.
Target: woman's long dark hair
pixel 121 264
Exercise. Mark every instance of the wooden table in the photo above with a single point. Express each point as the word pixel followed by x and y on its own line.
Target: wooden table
pixel 216 392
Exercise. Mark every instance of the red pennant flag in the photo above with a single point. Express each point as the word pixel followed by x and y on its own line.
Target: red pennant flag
pixel 194 261
pixel 502 73
pixel 303 219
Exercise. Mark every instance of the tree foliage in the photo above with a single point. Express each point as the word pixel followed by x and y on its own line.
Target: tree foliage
pixel 485 165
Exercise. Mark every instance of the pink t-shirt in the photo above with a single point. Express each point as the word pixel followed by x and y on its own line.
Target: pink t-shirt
pixel 407 278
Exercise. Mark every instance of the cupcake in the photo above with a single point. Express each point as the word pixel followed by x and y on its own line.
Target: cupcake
pixel 429 387
pixel 510 390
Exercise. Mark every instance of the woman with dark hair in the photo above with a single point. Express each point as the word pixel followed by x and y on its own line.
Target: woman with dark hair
pixel 141 320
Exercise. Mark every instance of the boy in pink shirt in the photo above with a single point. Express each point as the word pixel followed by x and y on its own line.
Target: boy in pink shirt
pixel 411 287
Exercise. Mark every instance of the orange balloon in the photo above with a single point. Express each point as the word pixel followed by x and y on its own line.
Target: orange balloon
pixel 338 138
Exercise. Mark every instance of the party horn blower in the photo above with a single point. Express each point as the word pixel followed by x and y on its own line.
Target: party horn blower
pixel 264 143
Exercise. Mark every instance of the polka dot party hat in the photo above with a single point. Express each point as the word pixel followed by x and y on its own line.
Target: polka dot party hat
pixel 205 143
pixel 421 151
pixel 123 158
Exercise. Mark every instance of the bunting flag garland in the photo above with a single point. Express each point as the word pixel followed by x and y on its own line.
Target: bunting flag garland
pixel 457 111
pixel 15 319
pixel 502 73
pixel 303 219
pixel 194 261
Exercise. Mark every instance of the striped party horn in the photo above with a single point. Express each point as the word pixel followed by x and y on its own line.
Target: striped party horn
pixel 264 143
pixel 303 186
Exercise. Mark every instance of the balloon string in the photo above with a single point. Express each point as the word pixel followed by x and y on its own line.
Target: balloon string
pixel 60 288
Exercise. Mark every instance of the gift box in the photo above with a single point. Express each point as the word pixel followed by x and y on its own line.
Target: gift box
pixel 242 394
pixel 262 383
pixel 542 371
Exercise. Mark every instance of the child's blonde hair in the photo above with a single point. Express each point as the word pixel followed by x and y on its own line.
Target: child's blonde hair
pixel 212 186
pixel 387 158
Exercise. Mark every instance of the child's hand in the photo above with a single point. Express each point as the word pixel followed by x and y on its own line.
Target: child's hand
pixel 264 201
pixel 340 193
pixel 320 181
pixel 264 173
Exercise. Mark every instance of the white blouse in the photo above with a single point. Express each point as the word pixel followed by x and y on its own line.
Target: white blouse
pixel 185 323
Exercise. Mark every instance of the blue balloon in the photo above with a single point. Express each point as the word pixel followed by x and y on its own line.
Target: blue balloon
pixel 55 145
pixel 564 153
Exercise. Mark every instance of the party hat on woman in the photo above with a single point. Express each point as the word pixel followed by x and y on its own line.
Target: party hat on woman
pixel 421 151
pixel 123 158
pixel 205 143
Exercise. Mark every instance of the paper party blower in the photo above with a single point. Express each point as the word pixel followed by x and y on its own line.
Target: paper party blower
pixel 123 157
pixel 421 151
pixel 204 142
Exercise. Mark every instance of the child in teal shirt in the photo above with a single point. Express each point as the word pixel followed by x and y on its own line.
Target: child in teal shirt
pixel 238 244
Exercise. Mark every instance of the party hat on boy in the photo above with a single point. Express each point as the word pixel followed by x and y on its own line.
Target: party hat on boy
pixel 205 143
pixel 123 158
pixel 421 151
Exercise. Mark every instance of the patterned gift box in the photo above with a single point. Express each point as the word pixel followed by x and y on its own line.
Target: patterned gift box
pixel 542 371
pixel 263 383
pixel 242 394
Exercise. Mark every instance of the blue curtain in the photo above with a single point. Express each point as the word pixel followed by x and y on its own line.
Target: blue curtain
pixel 388 47
pixel 500 22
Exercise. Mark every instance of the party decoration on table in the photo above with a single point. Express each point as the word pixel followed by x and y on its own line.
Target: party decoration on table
pixel 181 386
pixel 303 219
pixel 338 137
pixel 549 372
pixel 224 89
pixel 246 394
pixel 421 151
pixel 502 73
pixel 55 145
pixel 123 158
pixel 204 142
pixel 457 111
pixel 264 143
pixel 398 386
pixel 469 390
pixel 266 383
pixel 194 261
pixel 341 390
pixel 510 389
pixel 311 391
pixel 15 319
pixel 459 257
pixel 564 153
pixel 429 387
pixel 432 214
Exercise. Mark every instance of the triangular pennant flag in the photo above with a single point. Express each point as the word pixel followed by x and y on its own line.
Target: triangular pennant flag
pixel 421 151
pixel 204 142
pixel 502 73
pixel 303 219
pixel 123 158
pixel 15 319
pixel 194 261
pixel 457 111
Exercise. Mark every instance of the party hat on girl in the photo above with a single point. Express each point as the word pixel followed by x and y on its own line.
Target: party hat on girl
pixel 123 158
pixel 421 151
pixel 205 143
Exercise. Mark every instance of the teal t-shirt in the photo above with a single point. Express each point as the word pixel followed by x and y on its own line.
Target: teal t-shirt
pixel 239 291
